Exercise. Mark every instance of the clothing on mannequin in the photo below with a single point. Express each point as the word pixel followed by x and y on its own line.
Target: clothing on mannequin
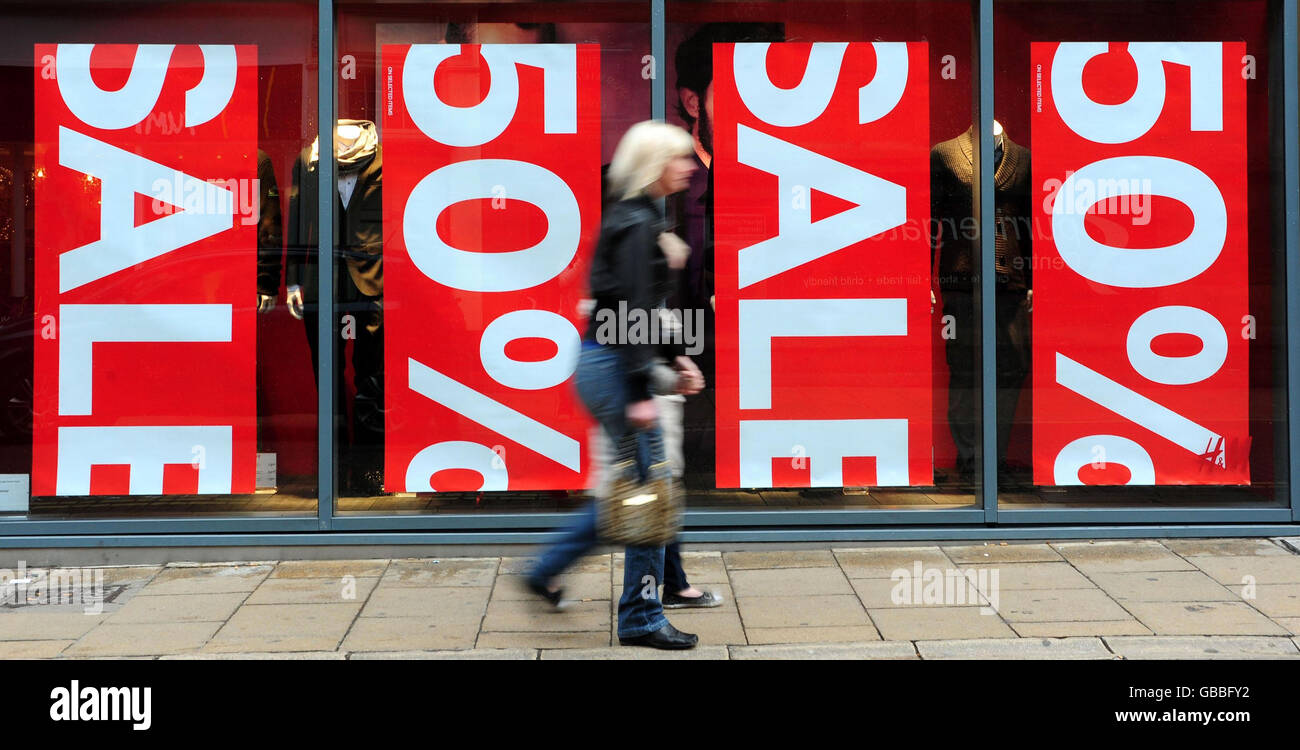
pixel 358 288
pixel 952 179
pixel 270 235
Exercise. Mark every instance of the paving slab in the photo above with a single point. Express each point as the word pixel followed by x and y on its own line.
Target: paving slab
pixel 938 623
pixel 271 643
pixel 791 558
pixel 478 654
pixel 801 611
pixel 179 608
pixel 330 569
pixel 534 641
pixel 126 574
pixel 1203 618
pixel 259 656
pixel 1238 571
pixel 973 554
pixel 143 639
pixel 716 626
pixel 1068 629
pixel 1292 543
pixel 64 657
pixel 292 590
pixel 26 624
pixel 1040 575
pixel 449 604
pixel 404 633
pixel 1120 556
pixel 880 593
pixel 1277 600
pixel 790 582
pixel 637 653
pixel 223 579
pixel 1015 648
pixel 1163 586
pixel 703 566
pixel 575 585
pixel 824 634
pixel 32 649
pixel 323 625
pixel 828 651
pixel 1290 623
pixel 1224 547
pixel 882 562
pixel 1200 647
pixel 472 572
pixel 589 564
pixel 536 616
pixel 1065 605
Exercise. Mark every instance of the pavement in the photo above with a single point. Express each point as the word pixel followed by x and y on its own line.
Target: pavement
pixel 1133 599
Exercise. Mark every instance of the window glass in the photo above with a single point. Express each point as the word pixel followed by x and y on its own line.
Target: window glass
pixel 470 150
pixel 150 364
pixel 832 240
pixel 1139 318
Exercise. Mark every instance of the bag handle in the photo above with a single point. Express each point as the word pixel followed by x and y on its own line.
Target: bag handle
pixel 627 450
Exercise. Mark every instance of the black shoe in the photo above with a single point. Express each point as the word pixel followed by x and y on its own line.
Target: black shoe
pixel 666 637
pixel 707 599
pixel 556 598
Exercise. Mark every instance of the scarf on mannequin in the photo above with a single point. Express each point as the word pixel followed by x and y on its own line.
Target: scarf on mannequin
pixel 350 154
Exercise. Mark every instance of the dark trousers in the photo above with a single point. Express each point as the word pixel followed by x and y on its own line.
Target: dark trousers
pixel 359 321
pixel 1013 362
pixel 601 384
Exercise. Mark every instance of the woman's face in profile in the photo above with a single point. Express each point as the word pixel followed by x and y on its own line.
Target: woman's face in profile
pixel 676 176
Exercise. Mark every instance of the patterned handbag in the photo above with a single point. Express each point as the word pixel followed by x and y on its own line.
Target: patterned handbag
pixel 636 513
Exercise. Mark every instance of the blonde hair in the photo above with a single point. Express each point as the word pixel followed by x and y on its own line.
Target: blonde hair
pixel 642 154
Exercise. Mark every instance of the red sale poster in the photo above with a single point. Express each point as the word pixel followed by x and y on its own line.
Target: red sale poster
pixel 491 209
pixel 146 252
pixel 822 262
pixel 1141 317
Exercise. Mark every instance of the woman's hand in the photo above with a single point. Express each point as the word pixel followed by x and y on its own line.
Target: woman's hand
pixel 674 249
pixel 641 414
pixel 689 378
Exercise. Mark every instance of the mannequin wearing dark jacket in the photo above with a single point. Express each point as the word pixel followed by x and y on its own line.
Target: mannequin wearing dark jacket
pixel 358 293
pixel 270 259
pixel 953 239
pixel 270 233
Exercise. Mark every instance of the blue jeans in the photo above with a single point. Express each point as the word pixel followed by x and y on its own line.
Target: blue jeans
pixel 600 384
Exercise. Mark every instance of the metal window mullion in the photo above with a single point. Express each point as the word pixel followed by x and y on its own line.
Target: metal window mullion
pixel 455 539
pixel 1291 145
pixel 983 209
pixel 325 467
pixel 658 44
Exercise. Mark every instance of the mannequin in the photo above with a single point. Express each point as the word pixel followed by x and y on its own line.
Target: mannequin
pixel 346 137
pixel 358 288
pixel 270 235
pixel 952 179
